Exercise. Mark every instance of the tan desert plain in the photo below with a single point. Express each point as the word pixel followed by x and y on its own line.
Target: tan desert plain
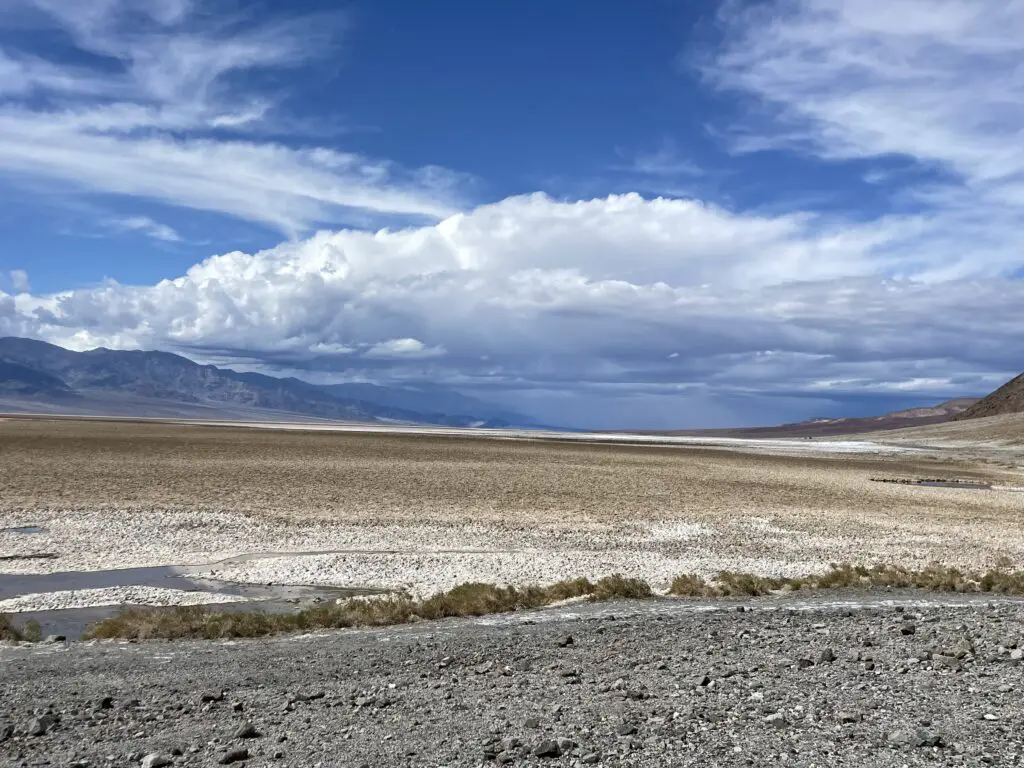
pixel 421 511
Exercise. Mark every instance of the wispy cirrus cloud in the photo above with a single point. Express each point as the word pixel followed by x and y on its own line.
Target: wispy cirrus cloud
pixel 148 227
pixel 19 280
pixel 164 113
pixel 936 83
pixel 664 161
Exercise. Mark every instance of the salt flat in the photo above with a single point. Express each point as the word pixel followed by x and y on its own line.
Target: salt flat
pixel 424 510
pixel 86 598
pixel 751 445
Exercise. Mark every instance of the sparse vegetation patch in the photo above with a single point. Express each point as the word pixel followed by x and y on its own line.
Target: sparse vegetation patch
pixel 29 633
pixel 1001 579
pixel 475 599
pixel 464 600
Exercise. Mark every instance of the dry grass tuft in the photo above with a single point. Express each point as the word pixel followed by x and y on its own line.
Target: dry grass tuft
pixel 30 633
pixel 621 588
pixel 690 585
pixel 472 599
pixel 934 578
pixel 730 584
pixel 7 630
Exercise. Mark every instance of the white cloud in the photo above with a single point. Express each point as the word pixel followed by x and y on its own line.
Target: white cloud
pixel 659 297
pixel 665 161
pixel 937 82
pixel 409 349
pixel 153 126
pixel 616 297
pixel 19 279
pixel 146 226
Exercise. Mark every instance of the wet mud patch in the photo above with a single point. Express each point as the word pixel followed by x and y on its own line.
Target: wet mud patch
pixel 937 482
pixel 71 622
pixel 25 529
pixel 30 556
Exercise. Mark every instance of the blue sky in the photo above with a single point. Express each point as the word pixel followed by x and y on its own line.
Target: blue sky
pixel 645 214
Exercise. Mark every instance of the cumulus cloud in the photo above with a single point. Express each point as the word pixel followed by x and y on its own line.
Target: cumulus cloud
pixel 409 349
pixel 167 113
pixel 602 300
pixel 607 296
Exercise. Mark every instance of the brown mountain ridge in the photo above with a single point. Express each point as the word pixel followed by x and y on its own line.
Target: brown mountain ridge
pixel 1009 398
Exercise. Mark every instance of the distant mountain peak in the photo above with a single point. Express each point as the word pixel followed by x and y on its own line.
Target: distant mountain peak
pixel 39 370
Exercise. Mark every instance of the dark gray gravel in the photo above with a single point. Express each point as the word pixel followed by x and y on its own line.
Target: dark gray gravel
pixel 658 685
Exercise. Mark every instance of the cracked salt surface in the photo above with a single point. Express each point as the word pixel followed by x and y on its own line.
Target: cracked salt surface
pixel 424 574
pixel 89 598
pixel 796 520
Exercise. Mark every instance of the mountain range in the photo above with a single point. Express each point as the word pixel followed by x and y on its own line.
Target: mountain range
pixel 41 377
pixel 44 378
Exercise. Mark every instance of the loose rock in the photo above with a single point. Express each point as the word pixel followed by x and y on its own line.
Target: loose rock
pixel 247 731
pixel 547 748
pixel 234 756
pixel 38 726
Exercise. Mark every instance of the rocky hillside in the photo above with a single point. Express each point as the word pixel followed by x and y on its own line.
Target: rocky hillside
pixel 44 373
pixel 910 417
pixel 1009 398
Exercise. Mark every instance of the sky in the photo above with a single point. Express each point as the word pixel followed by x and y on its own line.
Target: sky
pixel 633 214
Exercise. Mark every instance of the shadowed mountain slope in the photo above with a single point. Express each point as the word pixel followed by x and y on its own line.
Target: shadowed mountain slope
pixel 45 374
pixel 1009 398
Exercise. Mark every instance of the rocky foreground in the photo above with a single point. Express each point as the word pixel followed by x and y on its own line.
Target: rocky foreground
pixel 653 684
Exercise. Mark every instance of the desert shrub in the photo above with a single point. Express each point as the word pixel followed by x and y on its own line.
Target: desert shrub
pixel 477 599
pixel 1002 581
pixel 7 630
pixel 838 577
pixel 691 585
pixel 471 599
pixel 31 632
pixel 618 586
pixel 731 583
pixel 566 590
pixel 934 577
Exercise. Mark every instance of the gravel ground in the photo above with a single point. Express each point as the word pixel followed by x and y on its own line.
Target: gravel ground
pixel 667 683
